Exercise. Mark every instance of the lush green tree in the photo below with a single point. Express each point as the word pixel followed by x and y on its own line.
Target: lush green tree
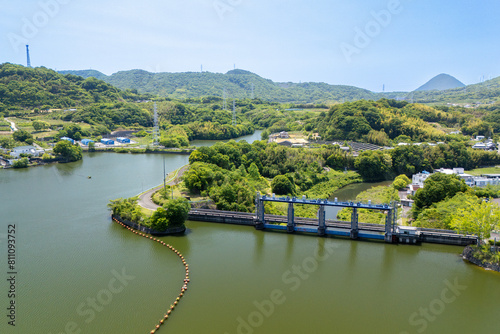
pixel 253 171
pixel 281 185
pixel 159 219
pixel 23 136
pixel 91 146
pixel 233 196
pixel 68 151
pixel 373 165
pixel 176 211
pixel 21 163
pixel 478 219
pixel 199 177
pixel 437 187
pixel 408 160
pixel 439 215
pixel 401 181
pixel 7 142
pixel 40 125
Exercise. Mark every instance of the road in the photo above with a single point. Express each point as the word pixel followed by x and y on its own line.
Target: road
pixel 12 125
pixel 145 198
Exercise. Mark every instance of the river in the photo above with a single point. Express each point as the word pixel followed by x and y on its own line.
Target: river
pixel 249 138
pixel 69 255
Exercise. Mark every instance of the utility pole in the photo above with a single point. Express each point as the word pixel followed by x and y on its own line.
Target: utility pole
pixel 164 177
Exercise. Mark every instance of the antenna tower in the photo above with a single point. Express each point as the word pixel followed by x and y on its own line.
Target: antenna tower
pixel 28 61
pixel 224 103
pixel 234 114
pixel 156 130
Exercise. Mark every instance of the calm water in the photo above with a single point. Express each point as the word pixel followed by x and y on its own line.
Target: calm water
pixel 243 280
pixel 349 193
pixel 249 138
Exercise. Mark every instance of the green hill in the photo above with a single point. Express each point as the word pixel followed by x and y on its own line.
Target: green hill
pixel 441 82
pixel 238 84
pixel 26 88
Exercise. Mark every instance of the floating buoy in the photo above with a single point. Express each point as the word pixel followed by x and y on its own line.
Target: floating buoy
pixel 186 279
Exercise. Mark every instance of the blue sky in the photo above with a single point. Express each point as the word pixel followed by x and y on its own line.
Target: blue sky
pixel 364 43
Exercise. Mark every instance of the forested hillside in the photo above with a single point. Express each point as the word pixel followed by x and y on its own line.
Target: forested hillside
pixel 27 88
pixel 238 84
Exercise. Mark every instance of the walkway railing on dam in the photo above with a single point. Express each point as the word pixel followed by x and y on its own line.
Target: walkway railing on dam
pixel 389 209
pixel 400 234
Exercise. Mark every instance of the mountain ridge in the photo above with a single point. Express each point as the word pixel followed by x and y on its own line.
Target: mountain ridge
pixel 238 84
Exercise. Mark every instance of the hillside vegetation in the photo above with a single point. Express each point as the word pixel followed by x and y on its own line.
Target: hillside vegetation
pixel 27 88
pixel 238 84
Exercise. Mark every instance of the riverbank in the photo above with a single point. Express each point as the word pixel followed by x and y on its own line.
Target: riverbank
pixel 140 150
pixel 144 229
pixel 469 255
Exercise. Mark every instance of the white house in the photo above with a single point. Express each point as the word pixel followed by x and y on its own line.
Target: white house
pixel 17 151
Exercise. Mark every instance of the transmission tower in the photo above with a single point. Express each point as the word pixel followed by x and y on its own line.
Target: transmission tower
pixel 234 113
pixel 28 61
pixel 156 130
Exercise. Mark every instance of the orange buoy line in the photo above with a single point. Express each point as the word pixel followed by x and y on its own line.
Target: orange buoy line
pixel 186 267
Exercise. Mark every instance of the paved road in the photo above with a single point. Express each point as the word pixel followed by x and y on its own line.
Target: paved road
pixel 145 199
pixel 12 125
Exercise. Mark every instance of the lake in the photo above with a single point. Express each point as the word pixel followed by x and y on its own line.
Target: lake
pixel 69 255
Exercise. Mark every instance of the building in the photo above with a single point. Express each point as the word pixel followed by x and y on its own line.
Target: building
pixel 419 178
pixel 284 134
pixel 107 141
pixel 470 180
pixel 87 141
pixel 485 146
pixel 30 150
pixel 72 141
pixel 123 140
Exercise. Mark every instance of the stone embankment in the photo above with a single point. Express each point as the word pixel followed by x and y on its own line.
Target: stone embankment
pixel 468 254
pixel 144 229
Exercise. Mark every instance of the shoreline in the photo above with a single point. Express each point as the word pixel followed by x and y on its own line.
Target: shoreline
pixel 468 255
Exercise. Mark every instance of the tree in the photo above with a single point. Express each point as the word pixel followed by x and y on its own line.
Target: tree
pixel 253 170
pixel 159 220
pixel 281 185
pixel 68 151
pixel 40 125
pixel 91 146
pixel 21 163
pixel 437 187
pixel 23 136
pixel 408 159
pixel 373 165
pixel 478 219
pixel 177 211
pixel 199 177
pixel 401 182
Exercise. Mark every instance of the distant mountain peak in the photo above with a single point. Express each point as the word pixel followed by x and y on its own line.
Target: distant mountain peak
pixel 441 82
pixel 238 71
